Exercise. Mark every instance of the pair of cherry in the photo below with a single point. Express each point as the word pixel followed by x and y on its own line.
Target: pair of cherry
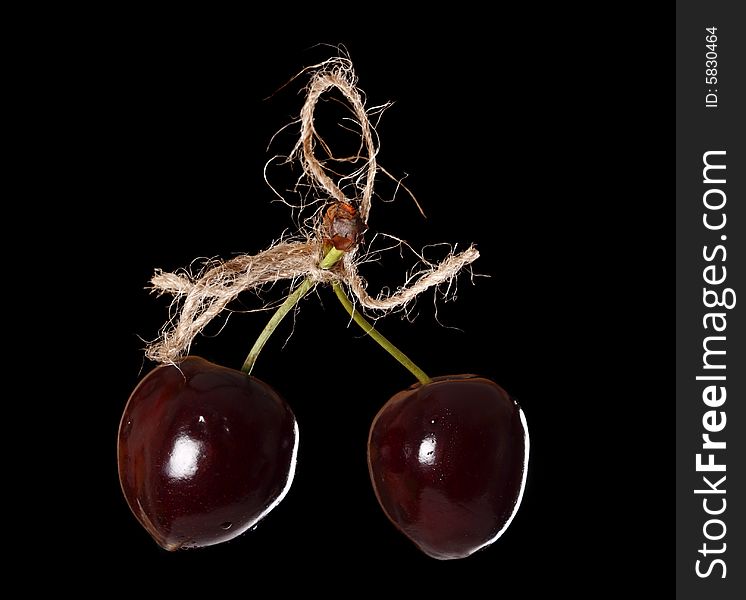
pixel 205 452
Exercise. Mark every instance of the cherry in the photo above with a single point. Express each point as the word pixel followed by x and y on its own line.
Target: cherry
pixel 448 462
pixel 205 452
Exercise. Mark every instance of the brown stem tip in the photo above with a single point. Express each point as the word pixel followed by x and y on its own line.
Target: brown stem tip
pixel 343 227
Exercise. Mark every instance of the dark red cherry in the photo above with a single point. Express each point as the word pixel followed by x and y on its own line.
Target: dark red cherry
pixel 448 462
pixel 204 452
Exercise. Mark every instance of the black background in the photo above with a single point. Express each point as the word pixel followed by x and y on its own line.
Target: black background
pixel 526 137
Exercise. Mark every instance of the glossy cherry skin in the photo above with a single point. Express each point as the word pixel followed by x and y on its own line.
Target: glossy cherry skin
pixel 448 462
pixel 204 452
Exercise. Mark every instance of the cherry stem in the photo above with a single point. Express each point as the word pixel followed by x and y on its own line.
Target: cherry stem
pixel 403 359
pixel 293 298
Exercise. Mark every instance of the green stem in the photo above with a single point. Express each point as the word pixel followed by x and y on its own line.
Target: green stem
pixel 279 315
pixel 331 258
pixel 403 359
pixel 293 298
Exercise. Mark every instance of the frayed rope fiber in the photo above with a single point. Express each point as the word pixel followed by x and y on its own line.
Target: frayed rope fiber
pixel 200 298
